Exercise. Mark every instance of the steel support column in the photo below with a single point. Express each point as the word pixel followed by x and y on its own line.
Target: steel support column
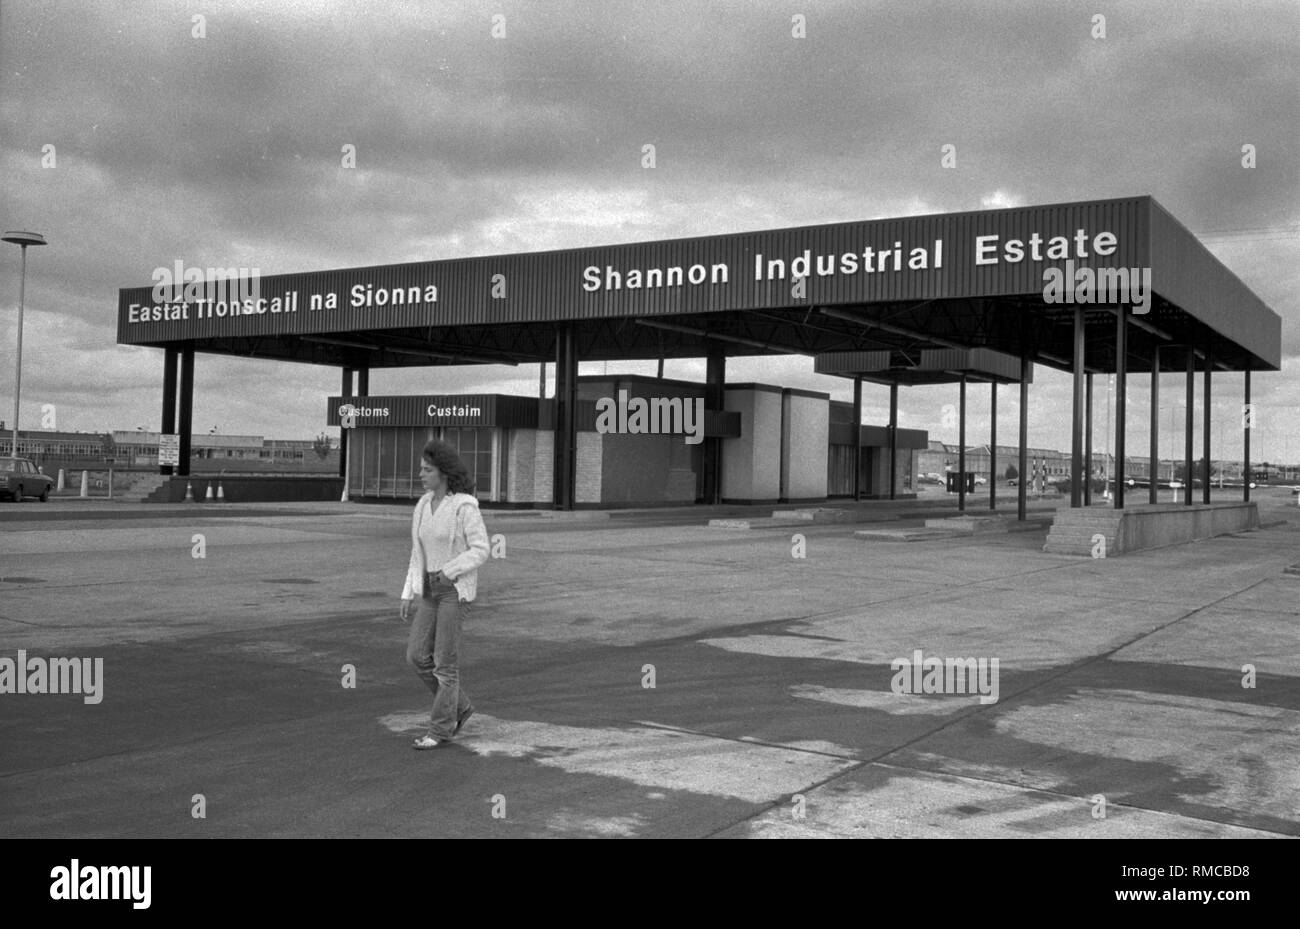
pixel 1023 467
pixel 961 448
pixel 1247 424
pixel 1187 427
pixel 1121 398
pixel 857 438
pixel 1087 441
pixel 185 426
pixel 715 378
pixel 893 439
pixel 1076 412
pixel 1205 437
pixel 1154 464
pixel 565 435
pixel 168 426
pixel 992 446
pixel 345 391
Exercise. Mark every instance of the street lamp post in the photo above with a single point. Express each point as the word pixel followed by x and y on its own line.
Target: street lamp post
pixel 22 239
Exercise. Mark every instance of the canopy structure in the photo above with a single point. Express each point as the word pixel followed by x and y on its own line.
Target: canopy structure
pixel 1097 286
pixel 929 366
pixel 935 366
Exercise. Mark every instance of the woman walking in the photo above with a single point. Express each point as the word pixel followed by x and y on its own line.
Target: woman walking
pixel 448 543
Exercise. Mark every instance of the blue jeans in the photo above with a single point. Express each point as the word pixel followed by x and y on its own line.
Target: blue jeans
pixel 432 650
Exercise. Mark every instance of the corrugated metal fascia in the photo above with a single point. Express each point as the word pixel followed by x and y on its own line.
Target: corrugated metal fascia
pixel 547 286
pixel 850 362
pixel 1188 274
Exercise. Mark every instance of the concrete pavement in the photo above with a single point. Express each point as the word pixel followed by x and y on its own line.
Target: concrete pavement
pixel 771 712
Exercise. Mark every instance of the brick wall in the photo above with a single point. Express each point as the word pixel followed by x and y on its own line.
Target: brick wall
pixel 588 483
pixel 544 467
pixel 520 457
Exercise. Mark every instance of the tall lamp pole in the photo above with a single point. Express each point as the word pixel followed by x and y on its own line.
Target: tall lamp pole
pixel 23 239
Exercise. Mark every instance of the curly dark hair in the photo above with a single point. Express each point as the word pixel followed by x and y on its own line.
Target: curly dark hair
pixel 445 458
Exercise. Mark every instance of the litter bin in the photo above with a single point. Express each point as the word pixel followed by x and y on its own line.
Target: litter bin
pixel 954 485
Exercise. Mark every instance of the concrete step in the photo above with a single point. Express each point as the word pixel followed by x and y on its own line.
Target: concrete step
pixel 969 524
pixel 1075 531
pixel 1079 532
pixel 145 486
pixel 1078 540
pixel 820 515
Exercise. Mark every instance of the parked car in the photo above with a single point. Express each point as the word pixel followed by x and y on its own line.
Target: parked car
pixel 19 478
pixel 980 480
pixel 1013 482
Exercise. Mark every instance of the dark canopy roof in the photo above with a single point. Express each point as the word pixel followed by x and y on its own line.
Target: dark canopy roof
pixel 934 366
pixel 941 281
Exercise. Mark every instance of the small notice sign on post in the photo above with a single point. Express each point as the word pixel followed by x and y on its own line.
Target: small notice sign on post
pixel 169 449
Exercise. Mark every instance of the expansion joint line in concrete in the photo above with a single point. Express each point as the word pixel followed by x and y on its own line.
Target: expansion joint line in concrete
pixel 963 717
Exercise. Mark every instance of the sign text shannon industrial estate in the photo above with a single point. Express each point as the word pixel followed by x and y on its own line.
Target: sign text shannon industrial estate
pixel 989 250
pixel 180 297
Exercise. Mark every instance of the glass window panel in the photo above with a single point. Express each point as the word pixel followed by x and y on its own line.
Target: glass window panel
pixel 356 461
pixel 387 454
pixel 370 483
pixel 414 488
pixel 403 459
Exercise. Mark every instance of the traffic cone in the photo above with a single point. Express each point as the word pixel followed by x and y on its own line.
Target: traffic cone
pixel 221 493
pixel 189 493
pixel 208 497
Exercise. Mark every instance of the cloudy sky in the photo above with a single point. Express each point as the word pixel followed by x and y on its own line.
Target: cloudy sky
pixel 224 150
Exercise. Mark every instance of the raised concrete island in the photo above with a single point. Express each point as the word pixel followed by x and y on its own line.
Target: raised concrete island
pixel 1075 531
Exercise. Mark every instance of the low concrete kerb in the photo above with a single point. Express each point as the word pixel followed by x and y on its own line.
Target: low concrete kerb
pixel 1148 526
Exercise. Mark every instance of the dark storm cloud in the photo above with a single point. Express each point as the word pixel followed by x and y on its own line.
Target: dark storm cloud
pixel 226 150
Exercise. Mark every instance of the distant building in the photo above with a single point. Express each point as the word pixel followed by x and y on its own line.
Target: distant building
pixel 1054 464
pixel 124 448
pixel 939 458
pixel 37 444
